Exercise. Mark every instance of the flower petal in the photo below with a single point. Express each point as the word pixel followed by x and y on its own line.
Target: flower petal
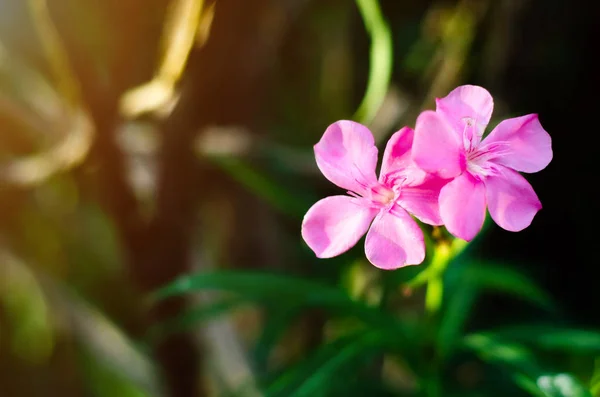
pixel 511 200
pixel 347 156
pixel 436 147
pixel 333 225
pixel 467 103
pixel 422 200
pixel 522 144
pixel 394 240
pixel 397 152
pixel 462 206
pixel 398 165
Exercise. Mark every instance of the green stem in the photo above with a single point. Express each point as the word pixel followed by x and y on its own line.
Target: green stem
pixel 434 295
pixel 439 263
pixel 435 285
pixel 380 59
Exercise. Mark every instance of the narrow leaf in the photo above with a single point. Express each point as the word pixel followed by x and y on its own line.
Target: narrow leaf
pixel 282 290
pixel 552 338
pixel 504 279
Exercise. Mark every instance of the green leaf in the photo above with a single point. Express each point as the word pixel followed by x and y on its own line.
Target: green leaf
pixel 504 279
pixel 525 370
pixel 23 301
pixel 255 285
pixel 192 317
pixel 510 355
pixel 454 317
pixel 103 381
pixel 528 384
pixel 281 290
pixel 561 385
pixel 464 284
pixel 314 375
pixel 595 381
pixel 365 346
pixel 552 338
pixel 381 60
pixel 275 325
pixel 261 185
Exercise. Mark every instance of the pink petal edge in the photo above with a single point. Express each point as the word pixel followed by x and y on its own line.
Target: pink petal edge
pixel 522 144
pixel 462 206
pixel 467 101
pixel 394 240
pixel 512 202
pixel 397 154
pixel 347 156
pixel 334 224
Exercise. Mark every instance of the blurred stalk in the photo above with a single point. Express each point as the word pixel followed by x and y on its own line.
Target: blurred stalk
pixel 186 21
pixel 458 28
pixel 34 169
pixel 226 87
pixel 72 149
pixel 453 30
pixel 55 53
pixel 380 60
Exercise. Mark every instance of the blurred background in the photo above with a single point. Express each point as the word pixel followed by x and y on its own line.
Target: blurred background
pixel 146 143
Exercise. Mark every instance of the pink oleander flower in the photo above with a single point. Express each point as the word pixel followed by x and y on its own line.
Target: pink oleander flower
pixel 483 173
pixel 347 156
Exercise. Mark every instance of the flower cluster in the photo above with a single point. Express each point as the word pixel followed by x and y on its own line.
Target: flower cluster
pixel 443 173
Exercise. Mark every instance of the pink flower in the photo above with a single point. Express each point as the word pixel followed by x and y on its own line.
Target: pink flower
pixel 347 156
pixel 484 173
